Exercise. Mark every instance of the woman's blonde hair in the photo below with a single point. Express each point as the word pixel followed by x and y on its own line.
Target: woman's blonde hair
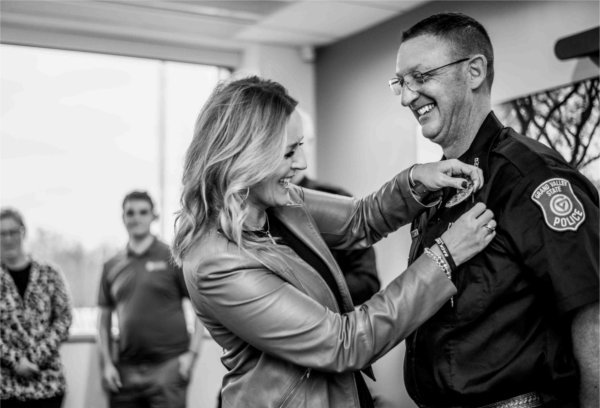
pixel 239 131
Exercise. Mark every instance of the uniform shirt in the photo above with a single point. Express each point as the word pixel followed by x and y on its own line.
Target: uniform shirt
pixel 146 290
pixel 509 330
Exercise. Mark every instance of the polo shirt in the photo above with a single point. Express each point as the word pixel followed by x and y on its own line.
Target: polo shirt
pixel 146 290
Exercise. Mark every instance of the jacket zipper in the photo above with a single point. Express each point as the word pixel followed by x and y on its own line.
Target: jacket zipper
pixel 291 391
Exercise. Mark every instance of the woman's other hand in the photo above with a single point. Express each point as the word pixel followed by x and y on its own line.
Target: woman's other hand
pixel 470 234
pixel 447 173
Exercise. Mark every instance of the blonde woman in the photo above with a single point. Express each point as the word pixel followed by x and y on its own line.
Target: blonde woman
pixel 254 250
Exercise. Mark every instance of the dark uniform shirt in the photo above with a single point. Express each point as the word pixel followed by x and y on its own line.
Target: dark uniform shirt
pixel 508 332
pixel 146 290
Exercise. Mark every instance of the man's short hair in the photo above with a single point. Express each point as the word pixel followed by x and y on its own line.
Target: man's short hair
pixel 9 212
pixel 465 33
pixel 138 195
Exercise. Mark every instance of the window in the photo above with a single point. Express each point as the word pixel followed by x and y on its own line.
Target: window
pixel 79 131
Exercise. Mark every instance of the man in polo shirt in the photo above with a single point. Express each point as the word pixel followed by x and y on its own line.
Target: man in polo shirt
pixel 155 356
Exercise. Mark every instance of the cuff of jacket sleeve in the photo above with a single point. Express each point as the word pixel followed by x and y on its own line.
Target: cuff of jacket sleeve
pixel 420 193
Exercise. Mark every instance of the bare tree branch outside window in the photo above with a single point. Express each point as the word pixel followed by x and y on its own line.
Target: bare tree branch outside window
pixel 566 119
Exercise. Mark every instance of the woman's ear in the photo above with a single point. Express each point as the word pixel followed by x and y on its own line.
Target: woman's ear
pixel 477 73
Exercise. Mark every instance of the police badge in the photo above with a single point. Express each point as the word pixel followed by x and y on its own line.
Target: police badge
pixel 461 195
pixel 561 208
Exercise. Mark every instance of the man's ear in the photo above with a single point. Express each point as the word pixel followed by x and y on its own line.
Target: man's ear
pixel 477 73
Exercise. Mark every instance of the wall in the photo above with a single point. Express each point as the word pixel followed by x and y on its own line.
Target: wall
pixel 294 68
pixel 365 136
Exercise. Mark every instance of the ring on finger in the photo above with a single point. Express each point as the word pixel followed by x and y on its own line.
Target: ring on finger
pixel 489 227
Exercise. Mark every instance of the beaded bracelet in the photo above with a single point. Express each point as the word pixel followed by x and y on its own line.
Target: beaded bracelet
pixel 446 252
pixel 441 262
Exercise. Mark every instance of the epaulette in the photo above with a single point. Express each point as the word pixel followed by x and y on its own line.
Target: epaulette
pixel 526 154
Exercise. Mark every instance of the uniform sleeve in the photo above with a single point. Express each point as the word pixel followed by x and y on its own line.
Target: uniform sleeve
pixel 60 318
pixel 275 317
pixel 559 245
pixel 348 223
pixel 104 297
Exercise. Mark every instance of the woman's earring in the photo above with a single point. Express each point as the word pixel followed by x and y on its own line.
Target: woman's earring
pixel 245 197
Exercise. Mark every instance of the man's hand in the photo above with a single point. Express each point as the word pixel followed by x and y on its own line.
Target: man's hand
pixel 186 364
pixel 26 368
pixel 111 378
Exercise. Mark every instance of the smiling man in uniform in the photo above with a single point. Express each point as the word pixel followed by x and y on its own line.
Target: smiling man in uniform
pixel 522 330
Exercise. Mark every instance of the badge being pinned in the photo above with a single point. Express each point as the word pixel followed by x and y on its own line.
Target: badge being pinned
pixel 561 208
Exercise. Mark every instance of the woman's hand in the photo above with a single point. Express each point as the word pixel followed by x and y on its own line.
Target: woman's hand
pixel 470 234
pixel 447 173
pixel 26 368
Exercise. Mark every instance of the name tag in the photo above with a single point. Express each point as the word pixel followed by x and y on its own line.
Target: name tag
pixel 152 266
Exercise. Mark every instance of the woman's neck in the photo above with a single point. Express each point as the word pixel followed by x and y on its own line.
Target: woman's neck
pixel 256 218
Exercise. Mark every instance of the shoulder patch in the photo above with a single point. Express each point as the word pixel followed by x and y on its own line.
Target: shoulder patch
pixel 561 208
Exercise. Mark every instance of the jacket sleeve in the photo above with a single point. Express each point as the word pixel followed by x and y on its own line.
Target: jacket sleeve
pixel 273 316
pixel 347 223
pixel 60 319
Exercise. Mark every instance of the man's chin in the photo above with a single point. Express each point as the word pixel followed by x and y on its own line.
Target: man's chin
pixel 430 134
pixel 139 235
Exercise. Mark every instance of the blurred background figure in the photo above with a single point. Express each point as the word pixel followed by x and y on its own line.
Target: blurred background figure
pixel 155 356
pixel 35 317
pixel 358 266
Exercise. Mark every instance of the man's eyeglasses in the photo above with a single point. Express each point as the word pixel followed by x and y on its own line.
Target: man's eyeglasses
pixel 131 213
pixel 11 233
pixel 415 80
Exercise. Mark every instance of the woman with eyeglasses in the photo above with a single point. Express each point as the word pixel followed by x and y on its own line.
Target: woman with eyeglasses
pixel 255 254
pixel 35 316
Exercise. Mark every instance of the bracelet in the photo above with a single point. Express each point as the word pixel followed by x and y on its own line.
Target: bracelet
pixel 446 252
pixel 443 266
pixel 411 181
pixel 440 262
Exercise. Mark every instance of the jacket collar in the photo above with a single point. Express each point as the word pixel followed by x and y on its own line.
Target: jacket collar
pixel 298 221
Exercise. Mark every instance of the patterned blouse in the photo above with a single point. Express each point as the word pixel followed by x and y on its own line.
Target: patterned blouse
pixel 33 327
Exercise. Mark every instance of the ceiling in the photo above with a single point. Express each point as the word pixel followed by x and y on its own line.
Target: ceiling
pixel 227 25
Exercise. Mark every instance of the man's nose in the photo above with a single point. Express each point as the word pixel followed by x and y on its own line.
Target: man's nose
pixel 408 96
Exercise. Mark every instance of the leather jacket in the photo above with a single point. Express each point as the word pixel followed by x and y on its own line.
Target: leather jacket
pixel 285 341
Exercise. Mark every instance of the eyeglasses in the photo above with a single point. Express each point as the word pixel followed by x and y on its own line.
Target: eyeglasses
pixel 131 213
pixel 415 80
pixel 11 233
